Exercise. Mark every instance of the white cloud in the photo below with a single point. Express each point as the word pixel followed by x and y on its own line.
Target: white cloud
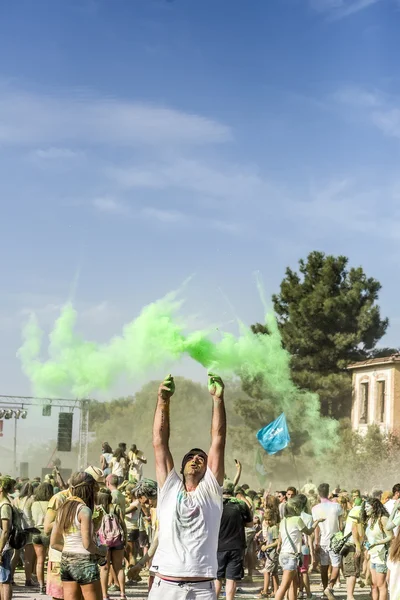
pixel 110 205
pixel 165 216
pixel 358 97
pixel 226 226
pixel 388 121
pixel 28 118
pixel 231 182
pixel 352 205
pixel 374 107
pixel 179 218
pixel 56 153
pixel 340 9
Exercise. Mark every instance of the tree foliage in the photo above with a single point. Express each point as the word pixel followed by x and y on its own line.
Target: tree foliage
pixel 328 317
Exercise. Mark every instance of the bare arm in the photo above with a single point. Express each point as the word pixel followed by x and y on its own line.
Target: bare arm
pixel 132 507
pixel 56 538
pixel 145 559
pixel 314 526
pixel 60 481
pixel 356 538
pixel 85 518
pixel 142 459
pixel 216 457
pixel 5 528
pixel 317 538
pixel 238 472
pixel 49 519
pixel 163 456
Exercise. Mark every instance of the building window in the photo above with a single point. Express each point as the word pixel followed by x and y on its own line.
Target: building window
pixel 364 403
pixel 381 401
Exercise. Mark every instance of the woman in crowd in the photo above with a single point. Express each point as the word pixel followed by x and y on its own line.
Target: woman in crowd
pixel 115 554
pixel 136 460
pixel 72 535
pixel 24 504
pixel 269 536
pixel 307 549
pixel 105 458
pixel 118 465
pixel 291 529
pixel 375 517
pixel 272 503
pixel 41 541
pixel 344 502
pixel 132 513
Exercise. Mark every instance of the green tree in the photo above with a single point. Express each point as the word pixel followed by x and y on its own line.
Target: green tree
pixel 328 317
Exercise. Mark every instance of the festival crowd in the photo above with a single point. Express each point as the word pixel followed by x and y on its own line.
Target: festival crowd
pixel 191 535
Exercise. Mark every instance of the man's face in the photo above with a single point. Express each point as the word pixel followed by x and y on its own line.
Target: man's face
pixel 143 500
pixel 281 497
pixel 355 495
pixel 195 467
pixel 396 495
pixel 289 494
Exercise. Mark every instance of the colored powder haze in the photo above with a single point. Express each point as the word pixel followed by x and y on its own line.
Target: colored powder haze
pixel 156 338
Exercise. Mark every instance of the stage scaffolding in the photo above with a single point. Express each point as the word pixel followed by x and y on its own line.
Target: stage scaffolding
pixel 19 404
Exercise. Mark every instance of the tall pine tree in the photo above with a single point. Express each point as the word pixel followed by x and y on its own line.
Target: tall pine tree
pixel 328 318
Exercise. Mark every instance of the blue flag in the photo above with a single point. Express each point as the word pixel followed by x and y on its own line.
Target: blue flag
pixel 275 436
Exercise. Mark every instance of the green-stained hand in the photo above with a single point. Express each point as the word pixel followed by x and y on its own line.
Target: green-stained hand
pixel 215 385
pixel 167 388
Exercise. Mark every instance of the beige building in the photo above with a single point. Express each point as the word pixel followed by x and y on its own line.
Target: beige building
pixel 376 394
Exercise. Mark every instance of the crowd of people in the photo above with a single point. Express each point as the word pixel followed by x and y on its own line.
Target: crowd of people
pixel 108 526
pixel 100 523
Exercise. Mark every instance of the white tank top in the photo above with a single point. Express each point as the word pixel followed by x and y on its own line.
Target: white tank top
pixel 73 538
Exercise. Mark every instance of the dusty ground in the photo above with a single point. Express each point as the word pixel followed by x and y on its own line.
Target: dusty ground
pixel 247 590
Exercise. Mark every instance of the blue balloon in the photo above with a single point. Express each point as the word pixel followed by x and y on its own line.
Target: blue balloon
pixel 275 436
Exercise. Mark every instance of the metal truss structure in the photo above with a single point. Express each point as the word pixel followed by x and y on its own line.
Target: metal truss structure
pixel 20 403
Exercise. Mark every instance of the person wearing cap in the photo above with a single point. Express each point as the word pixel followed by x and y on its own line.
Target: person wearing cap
pixel 189 509
pixel 146 493
pixel 236 516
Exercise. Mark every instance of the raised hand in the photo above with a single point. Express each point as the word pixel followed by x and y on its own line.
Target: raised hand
pixel 215 386
pixel 167 388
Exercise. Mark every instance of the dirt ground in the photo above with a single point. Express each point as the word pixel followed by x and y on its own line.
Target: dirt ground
pixel 139 591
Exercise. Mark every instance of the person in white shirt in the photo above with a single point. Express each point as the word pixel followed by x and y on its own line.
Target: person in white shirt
pixel 189 511
pixel 392 503
pixel 291 531
pixel 374 517
pixel 332 513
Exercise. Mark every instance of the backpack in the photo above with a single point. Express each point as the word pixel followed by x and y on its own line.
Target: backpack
pixel 110 533
pixel 19 529
pixel 340 543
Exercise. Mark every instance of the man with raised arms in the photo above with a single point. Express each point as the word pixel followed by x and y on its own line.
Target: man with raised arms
pixel 189 509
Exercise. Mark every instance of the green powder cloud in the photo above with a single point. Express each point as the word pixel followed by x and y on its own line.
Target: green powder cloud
pixel 158 337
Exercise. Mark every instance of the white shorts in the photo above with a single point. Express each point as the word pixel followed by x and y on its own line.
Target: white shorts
pixel 170 590
pixel 327 557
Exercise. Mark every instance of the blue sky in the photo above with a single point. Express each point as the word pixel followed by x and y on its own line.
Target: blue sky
pixel 142 141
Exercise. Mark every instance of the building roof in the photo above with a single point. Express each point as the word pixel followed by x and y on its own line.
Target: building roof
pixel 383 360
